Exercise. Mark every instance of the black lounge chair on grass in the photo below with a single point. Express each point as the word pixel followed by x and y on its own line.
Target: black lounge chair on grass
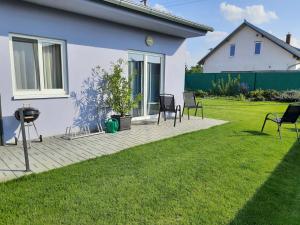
pixel 167 104
pixel 190 102
pixel 290 116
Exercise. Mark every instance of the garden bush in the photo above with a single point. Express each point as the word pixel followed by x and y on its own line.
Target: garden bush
pixel 230 87
pixel 289 96
pixel 201 93
pixel 256 95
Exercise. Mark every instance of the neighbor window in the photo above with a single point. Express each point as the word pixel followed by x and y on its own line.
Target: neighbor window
pixel 39 66
pixel 257 48
pixel 232 50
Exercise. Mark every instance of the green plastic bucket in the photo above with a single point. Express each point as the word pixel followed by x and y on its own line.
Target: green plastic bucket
pixel 112 125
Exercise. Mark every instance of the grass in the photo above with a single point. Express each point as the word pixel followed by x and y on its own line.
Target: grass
pixel 229 174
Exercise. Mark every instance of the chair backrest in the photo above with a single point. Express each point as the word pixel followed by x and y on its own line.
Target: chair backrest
pixel 291 114
pixel 189 99
pixel 167 102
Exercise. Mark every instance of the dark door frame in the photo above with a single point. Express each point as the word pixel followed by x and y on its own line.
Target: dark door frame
pixel 1 125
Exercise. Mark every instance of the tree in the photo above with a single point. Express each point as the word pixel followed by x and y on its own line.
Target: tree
pixel 194 69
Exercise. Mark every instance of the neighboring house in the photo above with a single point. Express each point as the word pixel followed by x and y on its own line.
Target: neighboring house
pixel 249 48
pixel 48 49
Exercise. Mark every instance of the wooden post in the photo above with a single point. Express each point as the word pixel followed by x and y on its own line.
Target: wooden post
pixel 25 147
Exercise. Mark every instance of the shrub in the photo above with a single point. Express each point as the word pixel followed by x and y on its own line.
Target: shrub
pixel 230 87
pixel 118 89
pixel 271 95
pixel 257 95
pixel 289 96
pixel 244 89
pixel 241 97
pixel 201 93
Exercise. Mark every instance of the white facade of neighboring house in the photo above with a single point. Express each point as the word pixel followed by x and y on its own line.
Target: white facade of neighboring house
pixel 272 53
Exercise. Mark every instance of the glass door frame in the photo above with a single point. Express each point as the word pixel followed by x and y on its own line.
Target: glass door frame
pixel 145 80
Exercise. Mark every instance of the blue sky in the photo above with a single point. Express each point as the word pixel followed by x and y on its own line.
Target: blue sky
pixel 275 16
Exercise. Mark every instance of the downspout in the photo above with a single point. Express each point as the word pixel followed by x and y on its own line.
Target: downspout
pixel 1 126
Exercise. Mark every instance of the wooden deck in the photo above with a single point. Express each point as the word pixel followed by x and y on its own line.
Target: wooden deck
pixel 56 152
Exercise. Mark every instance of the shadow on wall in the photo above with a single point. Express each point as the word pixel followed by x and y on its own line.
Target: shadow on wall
pixel 90 102
pixel 277 201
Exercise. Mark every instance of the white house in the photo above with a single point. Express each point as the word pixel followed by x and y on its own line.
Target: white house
pixel 249 48
pixel 48 49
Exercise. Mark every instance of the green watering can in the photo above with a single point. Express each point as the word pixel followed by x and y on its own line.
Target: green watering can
pixel 112 125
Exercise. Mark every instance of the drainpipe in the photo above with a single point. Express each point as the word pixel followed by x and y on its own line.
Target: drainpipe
pixel 1 126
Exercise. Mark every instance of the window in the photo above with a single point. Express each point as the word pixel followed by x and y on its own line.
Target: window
pixel 39 67
pixel 257 48
pixel 232 50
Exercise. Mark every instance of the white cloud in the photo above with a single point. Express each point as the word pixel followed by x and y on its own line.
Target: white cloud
pixel 216 36
pixel 161 8
pixel 254 13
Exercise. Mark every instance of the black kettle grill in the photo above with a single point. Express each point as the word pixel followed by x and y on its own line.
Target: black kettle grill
pixel 30 115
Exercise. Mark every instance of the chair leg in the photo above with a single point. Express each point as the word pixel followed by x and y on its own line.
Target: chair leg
pixel 279 130
pixel 263 127
pixel 297 131
pixel 175 118
pixel 183 110
pixel 180 114
pixel 158 118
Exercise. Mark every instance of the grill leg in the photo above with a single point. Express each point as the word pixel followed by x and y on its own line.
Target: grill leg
pixel 37 134
pixel 165 115
pixel 188 113
pixel 279 130
pixel 202 113
pixel 183 110
pixel 29 138
pixel 196 111
pixel 297 131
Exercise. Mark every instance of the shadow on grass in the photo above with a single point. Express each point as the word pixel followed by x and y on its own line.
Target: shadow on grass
pixel 255 133
pixel 277 201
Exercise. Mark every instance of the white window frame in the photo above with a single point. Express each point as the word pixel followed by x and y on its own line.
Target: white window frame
pixel 145 81
pixel 42 92
pixel 261 45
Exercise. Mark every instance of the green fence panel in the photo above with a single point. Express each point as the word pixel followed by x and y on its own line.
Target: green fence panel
pixel 255 80
pixel 278 80
pixel 201 81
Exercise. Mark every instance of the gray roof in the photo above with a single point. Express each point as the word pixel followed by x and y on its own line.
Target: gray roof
pixel 146 10
pixel 294 51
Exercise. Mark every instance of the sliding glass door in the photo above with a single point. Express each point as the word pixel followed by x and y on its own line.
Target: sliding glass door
pixel 147 72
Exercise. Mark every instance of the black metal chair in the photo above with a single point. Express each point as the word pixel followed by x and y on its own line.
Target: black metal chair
pixel 190 102
pixel 167 104
pixel 290 116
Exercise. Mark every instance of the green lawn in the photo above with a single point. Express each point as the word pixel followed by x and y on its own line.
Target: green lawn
pixel 229 174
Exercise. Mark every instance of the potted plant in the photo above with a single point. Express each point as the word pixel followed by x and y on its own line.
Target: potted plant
pixel 119 95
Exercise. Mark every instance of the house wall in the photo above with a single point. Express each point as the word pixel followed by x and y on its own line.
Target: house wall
pixel 90 42
pixel 272 56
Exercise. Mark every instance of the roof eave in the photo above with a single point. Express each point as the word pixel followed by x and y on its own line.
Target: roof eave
pixel 129 14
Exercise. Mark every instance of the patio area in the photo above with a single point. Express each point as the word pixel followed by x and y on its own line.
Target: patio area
pixel 56 152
